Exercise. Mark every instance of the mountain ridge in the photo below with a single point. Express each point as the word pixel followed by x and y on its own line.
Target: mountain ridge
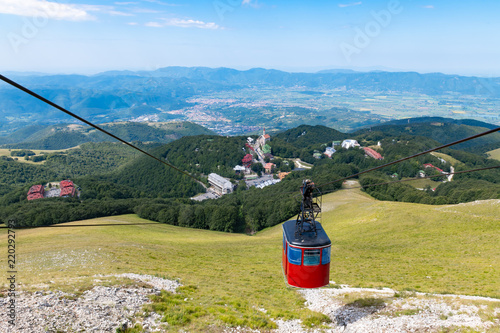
pixel 64 136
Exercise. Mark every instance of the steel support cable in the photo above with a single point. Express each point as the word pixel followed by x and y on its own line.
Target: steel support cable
pixel 43 99
pixel 344 189
pixel 413 156
pixel 61 225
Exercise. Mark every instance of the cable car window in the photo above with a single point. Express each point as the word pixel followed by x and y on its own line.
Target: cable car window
pixel 294 255
pixel 325 256
pixel 311 257
pixel 284 241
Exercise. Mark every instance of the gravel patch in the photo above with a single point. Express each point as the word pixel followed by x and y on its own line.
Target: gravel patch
pixel 418 312
pixel 101 309
pixel 104 309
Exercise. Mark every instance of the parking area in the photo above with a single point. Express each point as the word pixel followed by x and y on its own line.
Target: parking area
pixel 258 181
pixel 205 196
pixel 52 193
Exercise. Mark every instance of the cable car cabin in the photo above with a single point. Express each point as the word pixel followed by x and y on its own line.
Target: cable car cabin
pixel 306 256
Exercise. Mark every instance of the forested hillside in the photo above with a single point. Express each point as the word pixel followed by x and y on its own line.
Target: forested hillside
pixel 443 130
pixel 67 136
pixel 302 141
pixel 115 181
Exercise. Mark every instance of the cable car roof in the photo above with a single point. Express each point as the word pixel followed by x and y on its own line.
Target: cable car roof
pixel 308 238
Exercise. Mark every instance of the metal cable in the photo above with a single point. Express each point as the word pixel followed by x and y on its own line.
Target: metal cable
pixel 413 156
pixel 43 99
pixel 412 179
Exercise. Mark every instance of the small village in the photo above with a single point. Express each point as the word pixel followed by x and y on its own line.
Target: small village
pixel 63 189
pixel 259 151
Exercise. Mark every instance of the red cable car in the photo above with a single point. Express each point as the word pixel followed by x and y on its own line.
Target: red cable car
pixel 306 246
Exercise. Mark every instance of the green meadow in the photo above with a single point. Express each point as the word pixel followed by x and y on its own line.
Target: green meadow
pixel 228 279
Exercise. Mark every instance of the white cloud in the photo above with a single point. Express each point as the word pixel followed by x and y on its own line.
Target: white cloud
pixel 251 3
pixel 153 25
pixel 110 10
pixel 133 23
pixel 145 11
pixel 43 8
pixel 118 13
pixel 125 3
pixel 158 2
pixel 342 5
pixel 428 7
pixel 184 23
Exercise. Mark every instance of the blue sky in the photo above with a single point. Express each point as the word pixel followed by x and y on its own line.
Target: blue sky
pixel 87 36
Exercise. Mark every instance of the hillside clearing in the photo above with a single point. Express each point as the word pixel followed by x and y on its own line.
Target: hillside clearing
pixel 494 154
pixel 38 152
pixel 447 158
pixel 228 277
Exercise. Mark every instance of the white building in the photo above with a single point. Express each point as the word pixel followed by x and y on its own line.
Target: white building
pixel 239 168
pixel 263 139
pixel 329 151
pixel 220 184
pixel 350 144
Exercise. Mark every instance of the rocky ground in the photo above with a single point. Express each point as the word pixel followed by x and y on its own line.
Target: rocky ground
pixel 387 311
pixel 104 309
pixel 101 309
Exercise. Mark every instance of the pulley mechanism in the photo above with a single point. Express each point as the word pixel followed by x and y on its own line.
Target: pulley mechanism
pixel 310 208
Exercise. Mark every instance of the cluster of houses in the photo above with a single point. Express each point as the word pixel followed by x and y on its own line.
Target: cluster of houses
pixel 259 149
pixel 348 144
pixel 421 173
pixel 262 149
pixel 64 189
pixel 36 192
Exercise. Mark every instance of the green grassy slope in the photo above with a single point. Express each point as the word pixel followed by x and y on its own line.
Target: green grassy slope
pixel 398 245
pixel 450 248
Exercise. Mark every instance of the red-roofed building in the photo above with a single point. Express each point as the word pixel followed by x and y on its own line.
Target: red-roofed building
pixel 36 192
pixel 35 196
pixel 247 160
pixel 372 153
pixel 66 183
pixel 269 167
pixel 67 188
pixel 36 189
pixel 68 192
pixel 429 165
pixel 249 146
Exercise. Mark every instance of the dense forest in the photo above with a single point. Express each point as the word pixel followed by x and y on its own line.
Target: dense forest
pixel 116 180
pixel 442 130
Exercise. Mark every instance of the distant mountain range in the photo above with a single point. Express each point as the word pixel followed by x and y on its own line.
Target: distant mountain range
pixel 124 95
pixel 431 84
